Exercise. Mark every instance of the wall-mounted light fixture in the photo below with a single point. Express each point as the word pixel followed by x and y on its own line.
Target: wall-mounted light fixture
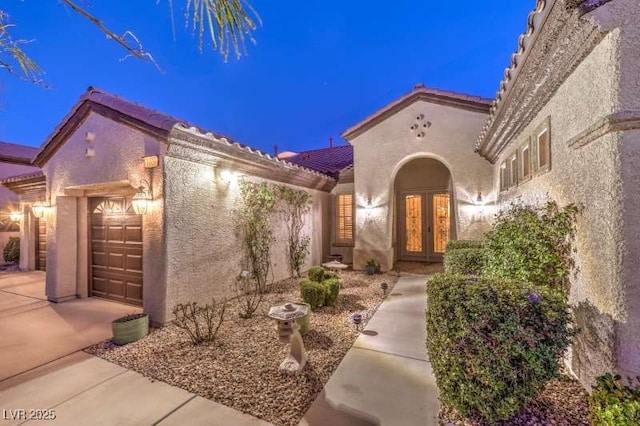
pixel 369 205
pixel 142 199
pixel 151 161
pixel 15 216
pixel 39 209
pixel 479 199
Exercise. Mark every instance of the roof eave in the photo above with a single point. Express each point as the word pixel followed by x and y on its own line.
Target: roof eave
pixel 475 105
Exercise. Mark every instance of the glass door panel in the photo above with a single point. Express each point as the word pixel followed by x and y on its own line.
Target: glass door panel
pixel 441 222
pixel 414 242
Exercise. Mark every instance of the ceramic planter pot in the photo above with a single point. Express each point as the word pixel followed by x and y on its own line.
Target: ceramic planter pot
pixel 130 328
pixel 371 269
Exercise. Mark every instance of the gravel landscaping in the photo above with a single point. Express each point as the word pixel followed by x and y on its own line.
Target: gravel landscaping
pixel 240 369
pixel 564 402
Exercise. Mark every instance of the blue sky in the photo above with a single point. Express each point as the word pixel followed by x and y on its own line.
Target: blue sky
pixel 318 66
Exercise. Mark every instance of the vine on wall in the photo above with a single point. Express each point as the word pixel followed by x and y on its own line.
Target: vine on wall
pixel 295 205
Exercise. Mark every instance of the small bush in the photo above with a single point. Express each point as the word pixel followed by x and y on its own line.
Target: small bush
pixel 11 251
pixel 329 275
pixel 332 288
pixel 465 261
pixel 316 273
pixel 200 323
pixel 463 244
pixel 533 244
pixel 614 404
pixel 313 293
pixel 493 344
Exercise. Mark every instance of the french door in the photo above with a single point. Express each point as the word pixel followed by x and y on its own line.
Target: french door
pixel 424 225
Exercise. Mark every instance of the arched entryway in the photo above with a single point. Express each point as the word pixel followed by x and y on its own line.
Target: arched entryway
pixel 424 210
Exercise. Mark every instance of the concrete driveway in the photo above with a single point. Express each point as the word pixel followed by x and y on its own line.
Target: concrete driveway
pixel 35 331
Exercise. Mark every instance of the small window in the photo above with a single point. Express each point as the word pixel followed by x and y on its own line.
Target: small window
pixel 525 162
pixel 513 170
pixel 504 177
pixel 344 216
pixel 543 147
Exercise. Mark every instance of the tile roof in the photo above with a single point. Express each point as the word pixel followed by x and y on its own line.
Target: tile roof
pixel 151 120
pixel 18 153
pixel 22 177
pixel 420 92
pixel 526 40
pixel 329 161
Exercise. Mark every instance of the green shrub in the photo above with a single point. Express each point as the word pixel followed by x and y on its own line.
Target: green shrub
pixel 463 244
pixel 316 273
pixel 313 293
pixel 329 275
pixel 465 261
pixel 11 251
pixel 532 244
pixel 493 344
pixel 332 287
pixel 614 404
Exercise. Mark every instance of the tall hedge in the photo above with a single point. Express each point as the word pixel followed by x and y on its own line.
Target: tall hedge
pixel 493 343
pixel 466 261
pixel 534 244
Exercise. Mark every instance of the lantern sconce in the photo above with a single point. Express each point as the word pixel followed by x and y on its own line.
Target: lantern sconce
pixel 369 205
pixel 39 209
pixel 142 199
pixel 15 216
pixel 150 161
pixel 479 199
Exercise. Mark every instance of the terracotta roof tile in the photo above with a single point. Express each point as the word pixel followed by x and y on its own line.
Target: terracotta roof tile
pixel 22 153
pixel 24 176
pixel 325 160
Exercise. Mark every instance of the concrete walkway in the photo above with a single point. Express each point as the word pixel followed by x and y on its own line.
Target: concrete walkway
pixel 385 378
pixel 84 390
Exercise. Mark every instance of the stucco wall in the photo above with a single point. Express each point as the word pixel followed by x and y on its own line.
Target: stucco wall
pixel 204 253
pixel 594 175
pixel 118 160
pixel 380 152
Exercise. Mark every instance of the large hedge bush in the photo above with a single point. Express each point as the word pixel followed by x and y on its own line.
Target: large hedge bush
pixel 11 251
pixel 466 261
pixel 613 404
pixel 493 343
pixel 462 244
pixel 533 244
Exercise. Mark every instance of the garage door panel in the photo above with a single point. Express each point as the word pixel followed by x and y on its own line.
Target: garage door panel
pixel 116 244
pixel 134 291
pixel 133 234
pixel 116 261
pixel 99 285
pixel 115 234
pixel 41 244
pixel 99 259
pixel 98 233
pixel 134 263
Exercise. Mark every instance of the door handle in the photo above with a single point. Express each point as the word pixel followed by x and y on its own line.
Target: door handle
pixel 428 229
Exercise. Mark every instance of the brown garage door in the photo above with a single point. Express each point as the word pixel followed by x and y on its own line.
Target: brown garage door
pixel 41 244
pixel 116 251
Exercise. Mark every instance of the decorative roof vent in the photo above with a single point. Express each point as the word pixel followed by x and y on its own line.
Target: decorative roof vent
pixel 420 126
